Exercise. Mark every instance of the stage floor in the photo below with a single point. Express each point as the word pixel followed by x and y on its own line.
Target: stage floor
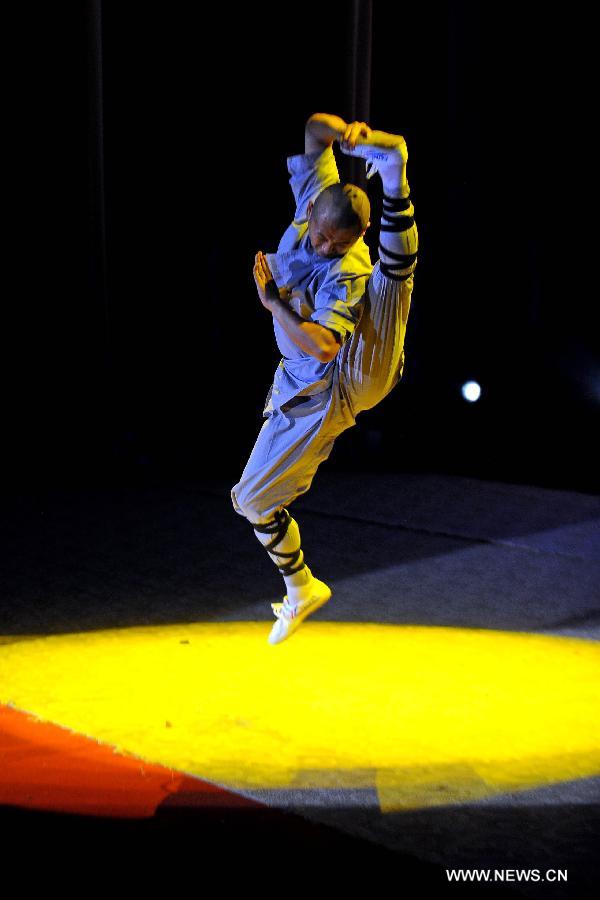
pixel 439 712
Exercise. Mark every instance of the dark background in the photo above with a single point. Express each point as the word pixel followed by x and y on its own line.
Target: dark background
pixel 148 354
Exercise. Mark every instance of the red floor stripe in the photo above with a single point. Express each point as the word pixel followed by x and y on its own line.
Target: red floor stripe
pixel 45 767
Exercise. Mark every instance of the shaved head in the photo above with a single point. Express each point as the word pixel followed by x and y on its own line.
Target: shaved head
pixel 345 206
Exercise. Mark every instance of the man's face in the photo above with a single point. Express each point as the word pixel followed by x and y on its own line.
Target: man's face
pixel 328 240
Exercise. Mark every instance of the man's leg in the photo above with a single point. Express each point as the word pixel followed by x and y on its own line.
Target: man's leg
pixel 372 361
pixel 281 467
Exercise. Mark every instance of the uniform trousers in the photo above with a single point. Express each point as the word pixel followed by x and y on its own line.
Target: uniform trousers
pixel 296 438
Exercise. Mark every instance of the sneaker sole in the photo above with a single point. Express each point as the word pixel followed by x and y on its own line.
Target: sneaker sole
pixel 276 607
pixel 294 623
pixel 376 155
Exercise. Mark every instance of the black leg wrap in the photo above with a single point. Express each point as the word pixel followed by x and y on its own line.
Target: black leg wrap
pixel 278 526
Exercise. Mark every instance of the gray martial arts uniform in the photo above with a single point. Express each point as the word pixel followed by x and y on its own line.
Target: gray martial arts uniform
pixel 310 403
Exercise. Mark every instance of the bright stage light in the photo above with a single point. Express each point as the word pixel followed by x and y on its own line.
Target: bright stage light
pixel 471 391
pixel 422 715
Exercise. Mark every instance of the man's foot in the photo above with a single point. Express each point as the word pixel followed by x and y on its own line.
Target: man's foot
pixel 384 153
pixel 290 613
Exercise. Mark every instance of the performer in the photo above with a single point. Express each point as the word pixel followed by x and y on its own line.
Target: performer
pixel 340 324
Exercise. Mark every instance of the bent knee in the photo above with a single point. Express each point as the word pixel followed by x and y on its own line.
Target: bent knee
pixel 250 505
pixel 242 501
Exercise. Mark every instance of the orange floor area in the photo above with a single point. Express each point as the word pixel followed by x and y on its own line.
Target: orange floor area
pixel 45 767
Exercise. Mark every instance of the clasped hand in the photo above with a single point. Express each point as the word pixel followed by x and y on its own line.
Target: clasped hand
pixel 268 291
pixel 355 132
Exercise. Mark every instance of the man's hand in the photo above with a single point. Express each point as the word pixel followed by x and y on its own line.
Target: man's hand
pixel 265 283
pixel 355 131
pixel 322 129
pixel 390 163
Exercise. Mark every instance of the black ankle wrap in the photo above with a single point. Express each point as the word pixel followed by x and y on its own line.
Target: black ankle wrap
pixel 278 526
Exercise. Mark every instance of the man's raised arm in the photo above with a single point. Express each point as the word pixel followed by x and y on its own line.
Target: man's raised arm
pixel 323 129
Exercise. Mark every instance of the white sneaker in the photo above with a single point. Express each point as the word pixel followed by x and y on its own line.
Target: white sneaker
pixel 291 613
pixel 385 154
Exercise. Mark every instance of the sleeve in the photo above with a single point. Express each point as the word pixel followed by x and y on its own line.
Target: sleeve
pixel 311 173
pixel 338 304
pixel 398 239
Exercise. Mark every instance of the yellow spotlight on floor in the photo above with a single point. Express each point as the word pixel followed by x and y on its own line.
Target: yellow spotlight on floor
pixel 424 715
